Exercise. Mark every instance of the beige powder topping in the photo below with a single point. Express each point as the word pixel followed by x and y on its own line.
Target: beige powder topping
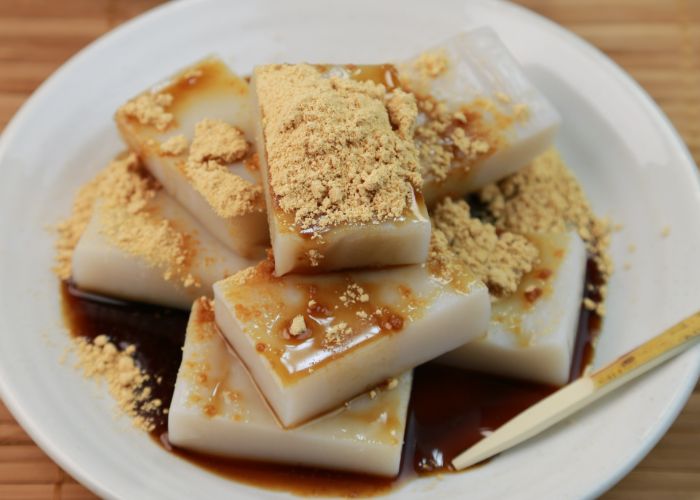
pixel 215 145
pixel 127 221
pixel 546 197
pixel 448 140
pixel 127 383
pixel 175 146
pixel 499 259
pixel 150 109
pixel 403 111
pixel 219 141
pixel 123 192
pixel 338 150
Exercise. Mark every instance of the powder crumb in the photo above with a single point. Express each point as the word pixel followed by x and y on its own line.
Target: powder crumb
pixel 314 257
pixel 471 148
pixel 589 304
pixel 372 394
pixel 216 144
pixel 334 156
pixel 392 384
pixel 298 326
pixel 546 197
pixel 503 98
pixel 219 141
pixel 432 64
pixel 336 334
pixel 175 146
pixel 128 220
pixel 354 294
pixel 251 274
pixel 665 232
pixel 102 361
pixel 252 163
pixel 192 74
pixel 123 193
pixel 229 195
pixel 498 258
pixel 459 116
pixel 150 109
pixel 403 111
pixel 521 112
pixel 600 309
pixel 70 230
pixel 448 140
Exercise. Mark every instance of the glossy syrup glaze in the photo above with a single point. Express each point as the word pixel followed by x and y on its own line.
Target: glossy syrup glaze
pixel 450 409
pixel 370 305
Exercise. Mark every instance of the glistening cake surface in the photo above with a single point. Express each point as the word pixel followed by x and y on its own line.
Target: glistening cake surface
pixel 217 409
pixel 193 133
pixel 312 342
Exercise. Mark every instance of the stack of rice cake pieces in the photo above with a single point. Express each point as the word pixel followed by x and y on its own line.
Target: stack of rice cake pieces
pixel 331 324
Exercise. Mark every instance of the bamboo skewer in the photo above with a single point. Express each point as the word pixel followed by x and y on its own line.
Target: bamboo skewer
pixel 572 397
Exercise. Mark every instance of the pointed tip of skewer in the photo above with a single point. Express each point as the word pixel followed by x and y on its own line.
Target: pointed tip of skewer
pixel 474 455
pixel 467 459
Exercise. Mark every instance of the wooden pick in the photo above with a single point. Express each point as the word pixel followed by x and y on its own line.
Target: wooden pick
pixel 576 395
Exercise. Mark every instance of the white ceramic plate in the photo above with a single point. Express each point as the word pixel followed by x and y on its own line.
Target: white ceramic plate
pixel 630 160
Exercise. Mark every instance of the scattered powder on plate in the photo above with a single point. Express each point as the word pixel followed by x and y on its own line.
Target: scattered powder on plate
pixel 127 383
pixel 216 144
pixel 498 258
pixel 334 154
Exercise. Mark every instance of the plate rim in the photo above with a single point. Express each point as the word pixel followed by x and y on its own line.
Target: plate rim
pixel 43 439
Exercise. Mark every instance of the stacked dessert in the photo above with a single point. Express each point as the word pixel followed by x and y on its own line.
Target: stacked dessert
pixel 316 217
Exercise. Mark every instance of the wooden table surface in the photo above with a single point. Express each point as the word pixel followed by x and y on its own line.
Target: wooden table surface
pixel 656 41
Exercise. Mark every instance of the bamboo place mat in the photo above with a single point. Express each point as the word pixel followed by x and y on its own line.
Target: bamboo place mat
pixel 657 42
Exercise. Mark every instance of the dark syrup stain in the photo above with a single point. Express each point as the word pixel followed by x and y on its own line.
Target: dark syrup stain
pixel 450 409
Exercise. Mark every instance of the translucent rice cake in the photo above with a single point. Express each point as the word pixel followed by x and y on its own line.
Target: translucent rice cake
pixel 532 332
pixel 313 342
pixel 217 409
pixel 340 170
pixel 480 117
pixel 144 246
pixel 215 176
